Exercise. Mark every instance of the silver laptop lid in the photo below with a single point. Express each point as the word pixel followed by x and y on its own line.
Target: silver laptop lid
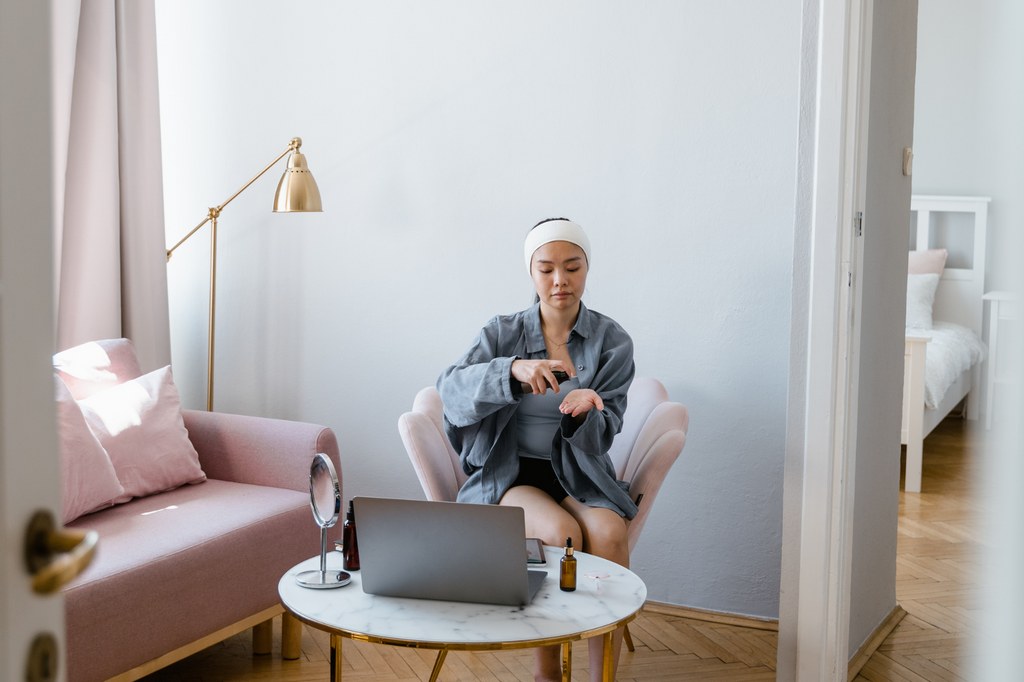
pixel 443 550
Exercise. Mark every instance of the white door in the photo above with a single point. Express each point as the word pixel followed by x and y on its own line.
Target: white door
pixel 29 466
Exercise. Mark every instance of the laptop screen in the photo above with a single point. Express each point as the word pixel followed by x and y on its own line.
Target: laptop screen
pixel 442 550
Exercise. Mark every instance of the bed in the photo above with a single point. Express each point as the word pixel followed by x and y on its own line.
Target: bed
pixel 942 365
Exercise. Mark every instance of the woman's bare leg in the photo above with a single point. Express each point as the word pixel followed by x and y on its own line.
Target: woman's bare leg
pixel 546 520
pixel 604 535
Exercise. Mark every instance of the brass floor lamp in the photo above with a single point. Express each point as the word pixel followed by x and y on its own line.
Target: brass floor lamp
pixel 296 193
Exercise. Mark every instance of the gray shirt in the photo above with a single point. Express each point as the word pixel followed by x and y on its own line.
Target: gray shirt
pixel 538 420
pixel 480 408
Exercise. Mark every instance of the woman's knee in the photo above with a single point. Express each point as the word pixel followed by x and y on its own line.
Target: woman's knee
pixel 554 529
pixel 544 518
pixel 606 537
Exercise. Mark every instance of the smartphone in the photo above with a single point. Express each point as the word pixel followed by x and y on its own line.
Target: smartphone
pixel 535 551
pixel 560 376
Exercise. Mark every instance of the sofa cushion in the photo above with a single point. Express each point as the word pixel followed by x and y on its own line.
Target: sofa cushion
pixel 87 478
pixel 175 567
pixel 96 366
pixel 139 424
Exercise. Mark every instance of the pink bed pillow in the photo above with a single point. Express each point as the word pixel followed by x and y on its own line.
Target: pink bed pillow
pixel 139 424
pixel 87 479
pixel 932 261
pixel 96 366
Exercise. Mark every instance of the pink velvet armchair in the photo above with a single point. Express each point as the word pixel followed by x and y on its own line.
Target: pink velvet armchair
pixel 653 434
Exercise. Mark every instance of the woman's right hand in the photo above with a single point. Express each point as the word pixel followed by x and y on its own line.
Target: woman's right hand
pixel 538 373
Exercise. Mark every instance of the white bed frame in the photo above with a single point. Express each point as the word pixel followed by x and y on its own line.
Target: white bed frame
pixel 958 300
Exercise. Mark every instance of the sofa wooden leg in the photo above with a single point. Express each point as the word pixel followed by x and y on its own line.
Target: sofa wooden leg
pixel 291 637
pixel 263 637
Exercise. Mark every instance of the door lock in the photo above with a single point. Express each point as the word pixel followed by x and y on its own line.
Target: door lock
pixel 42 659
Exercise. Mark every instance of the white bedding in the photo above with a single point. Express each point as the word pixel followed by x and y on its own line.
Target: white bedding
pixel 952 350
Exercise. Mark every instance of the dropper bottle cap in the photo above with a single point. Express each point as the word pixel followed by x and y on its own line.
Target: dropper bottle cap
pixel 568 547
pixel 351 516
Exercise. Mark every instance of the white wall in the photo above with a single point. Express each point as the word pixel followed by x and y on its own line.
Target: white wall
pixel 968 112
pixel 439 133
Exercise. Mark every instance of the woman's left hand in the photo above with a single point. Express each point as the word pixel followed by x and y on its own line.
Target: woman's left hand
pixel 580 401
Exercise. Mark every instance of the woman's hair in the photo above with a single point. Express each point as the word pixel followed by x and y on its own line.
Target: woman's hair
pixel 548 220
pixel 536 296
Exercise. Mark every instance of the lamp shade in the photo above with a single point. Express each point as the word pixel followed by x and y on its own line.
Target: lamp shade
pixel 297 192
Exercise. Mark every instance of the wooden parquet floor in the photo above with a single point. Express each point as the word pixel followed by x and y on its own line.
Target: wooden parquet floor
pixel 937 576
pixel 667 648
pixel 938 554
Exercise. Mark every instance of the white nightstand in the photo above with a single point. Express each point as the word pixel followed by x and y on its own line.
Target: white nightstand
pixel 1003 306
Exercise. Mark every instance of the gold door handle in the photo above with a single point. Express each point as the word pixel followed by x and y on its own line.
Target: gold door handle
pixel 54 556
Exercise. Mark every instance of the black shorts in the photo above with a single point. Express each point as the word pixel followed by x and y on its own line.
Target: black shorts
pixel 539 474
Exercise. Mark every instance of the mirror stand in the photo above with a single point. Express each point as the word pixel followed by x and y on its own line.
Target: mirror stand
pixel 324 480
pixel 323 579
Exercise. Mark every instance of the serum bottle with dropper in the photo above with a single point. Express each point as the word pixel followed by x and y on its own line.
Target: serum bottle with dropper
pixel 350 552
pixel 567 574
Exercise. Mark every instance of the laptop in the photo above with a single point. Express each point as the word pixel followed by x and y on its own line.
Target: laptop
pixel 444 550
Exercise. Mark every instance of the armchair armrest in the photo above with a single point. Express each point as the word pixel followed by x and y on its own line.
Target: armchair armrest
pixel 429 456
pixel 259 451
pixel 657 446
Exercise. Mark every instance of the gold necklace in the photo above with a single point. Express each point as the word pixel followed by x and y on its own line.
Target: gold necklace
pixel 558 345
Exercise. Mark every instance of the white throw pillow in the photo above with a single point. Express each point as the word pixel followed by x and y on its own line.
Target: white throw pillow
pixel 88 481
pixel 920 297
pixel 139 424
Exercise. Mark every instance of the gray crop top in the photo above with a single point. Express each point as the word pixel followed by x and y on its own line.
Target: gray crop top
pixel 537 420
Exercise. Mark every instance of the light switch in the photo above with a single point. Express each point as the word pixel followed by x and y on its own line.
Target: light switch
pixel 908 160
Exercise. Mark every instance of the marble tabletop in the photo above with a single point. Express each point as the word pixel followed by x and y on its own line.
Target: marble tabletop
pixel 552 614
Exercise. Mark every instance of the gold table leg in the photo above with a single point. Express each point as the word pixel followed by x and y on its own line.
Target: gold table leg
pixel 335 658
pixel 609 658
pixel 625 636
pixel 438 664
pixel 566 661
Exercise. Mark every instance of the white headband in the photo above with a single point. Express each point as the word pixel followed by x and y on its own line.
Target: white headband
pixel 555 231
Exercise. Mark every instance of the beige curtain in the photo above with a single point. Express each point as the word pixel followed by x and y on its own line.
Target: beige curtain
pixel 110 265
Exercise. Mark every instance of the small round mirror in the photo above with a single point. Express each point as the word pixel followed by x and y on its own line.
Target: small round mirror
pixel 325 499
pixel 324 491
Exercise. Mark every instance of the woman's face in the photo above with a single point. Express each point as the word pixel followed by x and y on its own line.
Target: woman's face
pixel 559 271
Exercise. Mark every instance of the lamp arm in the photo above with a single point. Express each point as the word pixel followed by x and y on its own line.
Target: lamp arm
pixel 292 146
pixel 215 212
pixel 171 250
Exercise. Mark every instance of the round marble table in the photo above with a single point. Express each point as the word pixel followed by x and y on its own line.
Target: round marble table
pixel 553 616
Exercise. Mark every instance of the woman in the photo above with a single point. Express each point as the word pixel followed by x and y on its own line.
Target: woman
pixel 527 442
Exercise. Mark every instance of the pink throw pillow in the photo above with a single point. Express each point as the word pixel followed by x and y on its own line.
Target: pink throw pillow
pixel 87 479
pixel 932 261
pixel 96 366
pixel 139 423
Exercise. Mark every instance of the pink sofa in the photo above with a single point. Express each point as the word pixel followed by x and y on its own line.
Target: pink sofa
pixel 180 570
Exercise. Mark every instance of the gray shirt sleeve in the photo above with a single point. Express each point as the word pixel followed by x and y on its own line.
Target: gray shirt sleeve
pixel 479 383
pixel 616 369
